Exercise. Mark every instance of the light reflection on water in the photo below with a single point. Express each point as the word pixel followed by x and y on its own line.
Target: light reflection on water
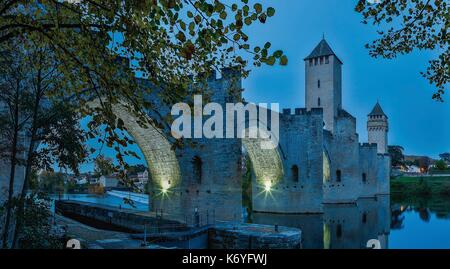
pixel 420 222
pixel 397 223
pixel 341 226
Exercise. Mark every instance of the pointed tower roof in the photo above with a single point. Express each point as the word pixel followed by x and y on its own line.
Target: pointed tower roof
pixel 377 111
pixel 322 49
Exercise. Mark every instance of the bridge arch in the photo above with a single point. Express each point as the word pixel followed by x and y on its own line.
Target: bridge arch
pixel 158 152
pixel 168 166
pixel 266 163
pixel 264 152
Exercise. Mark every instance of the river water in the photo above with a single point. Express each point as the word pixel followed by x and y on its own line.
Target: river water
pixel 396 223
pixel 106 199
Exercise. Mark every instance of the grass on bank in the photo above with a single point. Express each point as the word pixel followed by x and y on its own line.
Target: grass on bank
pixel 425 185
pixel 439 172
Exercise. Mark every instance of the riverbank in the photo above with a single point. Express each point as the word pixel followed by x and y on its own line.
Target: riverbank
pixel 175 233
pixel 425 185
pixel 93 238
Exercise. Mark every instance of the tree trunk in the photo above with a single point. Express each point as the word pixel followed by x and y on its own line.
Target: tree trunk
pixel 24 191
pixel 13 160
pixel 30 157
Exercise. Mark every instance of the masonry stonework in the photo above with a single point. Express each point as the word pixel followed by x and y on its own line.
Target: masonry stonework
pixel 319 159
pixel 333 167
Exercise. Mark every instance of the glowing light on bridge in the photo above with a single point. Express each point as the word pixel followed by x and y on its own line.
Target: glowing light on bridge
pixel 268 186
pixel 165 186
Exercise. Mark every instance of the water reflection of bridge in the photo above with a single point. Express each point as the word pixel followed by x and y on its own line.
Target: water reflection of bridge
pixel 341 226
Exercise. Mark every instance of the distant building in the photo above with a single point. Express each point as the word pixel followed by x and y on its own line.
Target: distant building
pixel 94 180
pixel 413 169
pixel 81 181
pixel 108 181
pixel 140 179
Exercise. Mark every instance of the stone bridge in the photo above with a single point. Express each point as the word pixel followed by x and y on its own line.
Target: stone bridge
pixel 204 176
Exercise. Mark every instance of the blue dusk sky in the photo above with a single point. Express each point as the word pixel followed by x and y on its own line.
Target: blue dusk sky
pixel 418 123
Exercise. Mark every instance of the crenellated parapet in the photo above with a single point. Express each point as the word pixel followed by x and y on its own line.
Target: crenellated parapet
pixel 226 88
pixel 368 145
pixel 302 111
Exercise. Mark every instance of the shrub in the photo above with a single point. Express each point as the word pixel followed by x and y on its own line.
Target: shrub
pixel 37 230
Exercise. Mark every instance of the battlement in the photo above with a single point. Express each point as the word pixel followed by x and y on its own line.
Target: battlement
pixel 226 73
pixel 296 111
pixel 231 72
pixel 229 76
pixel 317 111
pixel 208 76
pixel 368 145
pixel 302 111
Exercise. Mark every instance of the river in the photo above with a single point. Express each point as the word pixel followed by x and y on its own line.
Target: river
pixel 105 199
pixel 396 223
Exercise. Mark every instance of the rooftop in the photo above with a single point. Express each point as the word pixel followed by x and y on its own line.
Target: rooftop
pixel 322 49
pixel 377 111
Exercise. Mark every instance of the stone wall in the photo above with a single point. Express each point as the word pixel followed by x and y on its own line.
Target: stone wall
pixel 300 146
pixel 311 226
pixel 253 236
pixel 383 174
pixel 343 149
pixel 368 169
pixel 113 218
pixel 215 190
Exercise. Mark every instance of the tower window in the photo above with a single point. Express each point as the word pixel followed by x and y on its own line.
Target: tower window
pixel 338 176
pixel 197 169
pixel 364 177
pixel 364 217
pixel 294 173
pixel 321 60
pixel 310 62
pixel 327 59
pixel 318 84
pixel 316 61
pixel 318 102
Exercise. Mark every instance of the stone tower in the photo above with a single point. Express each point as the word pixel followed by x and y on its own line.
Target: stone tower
pixel 324 83
pixel 377 128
